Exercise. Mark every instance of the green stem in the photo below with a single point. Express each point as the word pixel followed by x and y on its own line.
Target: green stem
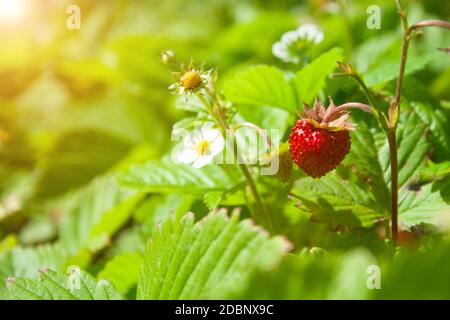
pixel 394 112
pixel 392 139
pixel 220 119
pixel 366 90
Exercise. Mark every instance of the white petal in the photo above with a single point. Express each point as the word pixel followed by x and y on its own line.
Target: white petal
pixel 210 134
pixel 310 32
pixel 197 136
pixel 202 160
pixel 280 50
pixel 186 156
pixel 217 146
pixel 188 141
pixel 290 37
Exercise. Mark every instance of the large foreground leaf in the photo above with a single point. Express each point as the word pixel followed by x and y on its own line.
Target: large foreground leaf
pixel 167 177
pixel 188 261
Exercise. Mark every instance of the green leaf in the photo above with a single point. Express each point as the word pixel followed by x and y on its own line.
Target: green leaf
pixel 267 118
pixel 167 177
pixel 311 79
pixel 189 261
pixel 369 162
pixel 25 262
pixel 56 286
pixel 337 202
pixel 413 146
pixel 388 70
pixel 258 86
pixel 99 211
pixel 434 172
pixel 370 155
pixel 428 205
pixel 122 271
pixel 432 114
pixel 212 199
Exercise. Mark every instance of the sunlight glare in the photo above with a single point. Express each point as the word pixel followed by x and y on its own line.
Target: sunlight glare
pixel 12 10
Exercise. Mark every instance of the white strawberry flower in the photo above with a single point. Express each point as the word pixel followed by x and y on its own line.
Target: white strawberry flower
pixel 293 44
pixel 200 146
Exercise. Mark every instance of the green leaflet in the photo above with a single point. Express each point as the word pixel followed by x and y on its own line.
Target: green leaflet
pixel 187 260
pixel 370 154
pixel 337 202
pixel 100 210
pixel 56 286
pixel 122 271
pixel 433 172
pixel 430 111
pixel 167 177
pixel 25 262
pixel 388 70
pixel 311 79
pixel 258 86
pixel 428 205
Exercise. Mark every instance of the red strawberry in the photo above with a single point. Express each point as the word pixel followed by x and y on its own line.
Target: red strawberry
pixel 320 139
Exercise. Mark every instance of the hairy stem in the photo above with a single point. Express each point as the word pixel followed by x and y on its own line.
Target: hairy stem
pixel 394 112
pixel 392 139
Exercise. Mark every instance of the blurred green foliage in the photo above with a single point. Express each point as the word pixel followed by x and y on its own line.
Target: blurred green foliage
pixel 86 117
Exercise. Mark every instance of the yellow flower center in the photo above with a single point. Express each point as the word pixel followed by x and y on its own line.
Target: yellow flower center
pixel 191 79
pixel 202 147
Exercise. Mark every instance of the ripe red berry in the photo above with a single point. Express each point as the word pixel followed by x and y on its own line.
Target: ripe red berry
pixel 320 140
pixel 317 151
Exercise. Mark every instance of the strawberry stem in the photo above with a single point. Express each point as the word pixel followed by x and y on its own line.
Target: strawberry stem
pixel 392 140
pixel 394 110
pixel 343 107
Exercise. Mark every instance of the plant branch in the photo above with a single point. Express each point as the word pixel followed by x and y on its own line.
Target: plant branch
pixel 394 112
